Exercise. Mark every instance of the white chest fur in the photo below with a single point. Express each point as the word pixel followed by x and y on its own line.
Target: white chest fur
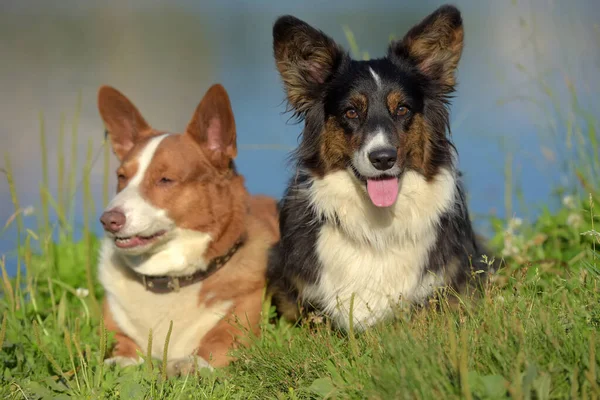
pixel 376 255
pixel 137 310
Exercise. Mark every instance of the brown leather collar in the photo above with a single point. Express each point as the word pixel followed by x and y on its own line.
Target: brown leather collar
pixel 167 284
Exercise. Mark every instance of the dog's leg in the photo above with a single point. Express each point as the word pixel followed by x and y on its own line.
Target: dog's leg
pixel 214 348
pixel 287 305
pixel 125 351
pixel 216 344
pixel 284 293
pixel 225 336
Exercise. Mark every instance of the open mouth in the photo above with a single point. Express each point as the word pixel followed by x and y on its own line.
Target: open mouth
pixel 137 241
pixel 382 190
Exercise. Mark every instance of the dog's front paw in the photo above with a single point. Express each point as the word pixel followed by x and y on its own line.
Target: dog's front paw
pixel 122 361
pixel 186 366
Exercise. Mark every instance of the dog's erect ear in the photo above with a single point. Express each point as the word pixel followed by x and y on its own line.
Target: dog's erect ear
pixel 123 121
pixel 213 126
pixel 306 58
pixel 434 45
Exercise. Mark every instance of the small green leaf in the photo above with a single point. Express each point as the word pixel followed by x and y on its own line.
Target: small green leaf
pixel 37 389
pixel 132 389
pixel 473 379
pixel 54 385
pixel 322 387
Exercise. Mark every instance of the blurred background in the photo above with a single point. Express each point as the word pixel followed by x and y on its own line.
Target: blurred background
pixel 523 119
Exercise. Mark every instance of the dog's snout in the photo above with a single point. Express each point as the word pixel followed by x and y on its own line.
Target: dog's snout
pixel 383 159
pixel 113 220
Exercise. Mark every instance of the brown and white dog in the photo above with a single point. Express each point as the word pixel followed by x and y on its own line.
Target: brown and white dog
pixel 184 241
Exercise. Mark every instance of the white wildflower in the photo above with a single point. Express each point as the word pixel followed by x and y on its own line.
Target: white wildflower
pixel 28 210
pixel 569 201
pixel 509 251
pixel 574 220
pixel 82 292
pixel 508 240
pixel 514 223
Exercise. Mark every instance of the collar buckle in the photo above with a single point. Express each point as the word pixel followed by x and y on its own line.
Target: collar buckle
pixel 174 284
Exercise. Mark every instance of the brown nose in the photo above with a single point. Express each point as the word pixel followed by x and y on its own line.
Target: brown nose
pixel 112 220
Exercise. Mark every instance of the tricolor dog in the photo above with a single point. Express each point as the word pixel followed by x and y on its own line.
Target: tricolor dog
pixel 375 214
pixel 184 241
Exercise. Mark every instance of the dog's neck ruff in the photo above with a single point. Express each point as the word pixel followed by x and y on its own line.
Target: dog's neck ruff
pixel 168 284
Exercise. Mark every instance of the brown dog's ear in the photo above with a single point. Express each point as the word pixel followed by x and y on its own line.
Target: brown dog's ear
pixel 306 58
pixel 434 45
pixel 213 126
pixel 123 121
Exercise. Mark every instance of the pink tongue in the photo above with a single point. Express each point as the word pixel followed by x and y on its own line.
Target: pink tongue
pixel 383 192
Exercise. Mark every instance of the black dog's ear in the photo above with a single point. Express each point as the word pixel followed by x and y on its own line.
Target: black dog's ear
pixel 306 58
pixel 434 45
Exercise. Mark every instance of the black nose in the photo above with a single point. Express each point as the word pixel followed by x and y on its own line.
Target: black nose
pixel 383 159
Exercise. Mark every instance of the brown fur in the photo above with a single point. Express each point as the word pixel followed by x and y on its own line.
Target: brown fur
pixel 394 100
pixel 289 310
pixel 360 102
pixel 305 59
pixel 265 209
pixel 288 307
pixel 124 122
pixel 245 287
pixel 436 45
pixel 336 147
pixel 414 147
pixel 206 195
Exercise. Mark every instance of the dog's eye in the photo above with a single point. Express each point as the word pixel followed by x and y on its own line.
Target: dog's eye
pixel 165 181
pixel 351 114
pixel 401 111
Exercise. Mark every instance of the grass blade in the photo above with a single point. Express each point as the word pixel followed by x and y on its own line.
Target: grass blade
pixel 166 351
pixel 3 329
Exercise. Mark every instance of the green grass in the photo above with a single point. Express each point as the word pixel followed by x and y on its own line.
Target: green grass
pixel 533 335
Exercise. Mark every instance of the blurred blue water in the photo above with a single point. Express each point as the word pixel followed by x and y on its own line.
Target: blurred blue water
pixel 165 55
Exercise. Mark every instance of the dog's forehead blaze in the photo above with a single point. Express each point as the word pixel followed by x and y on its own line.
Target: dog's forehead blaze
pixel 176 157
pixel 130 162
